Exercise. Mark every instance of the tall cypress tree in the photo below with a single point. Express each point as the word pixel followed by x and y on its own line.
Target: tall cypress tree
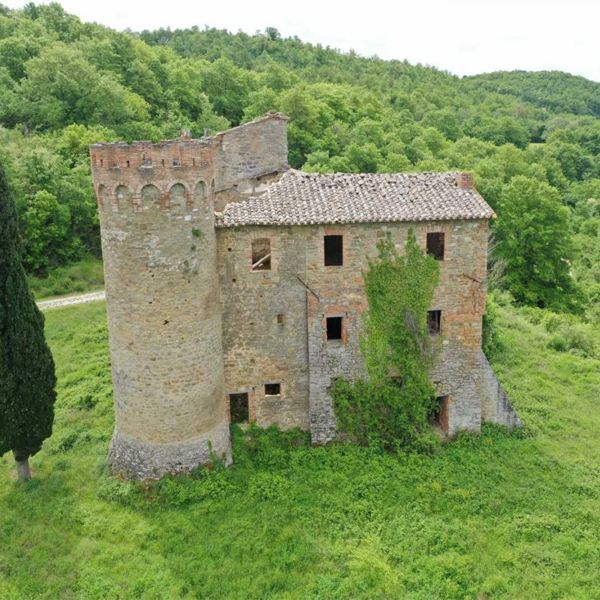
pixel 27 379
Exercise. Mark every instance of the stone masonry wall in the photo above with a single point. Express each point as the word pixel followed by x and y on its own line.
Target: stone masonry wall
pixel 264 323
pixel 251 150
pixel 163 301
pixel 261 349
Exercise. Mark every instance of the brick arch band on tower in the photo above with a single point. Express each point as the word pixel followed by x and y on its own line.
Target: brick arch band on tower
pixel 177 197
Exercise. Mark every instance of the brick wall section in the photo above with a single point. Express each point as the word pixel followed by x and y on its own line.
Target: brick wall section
pixel 260 347
pixel 461 297
pixel 251 150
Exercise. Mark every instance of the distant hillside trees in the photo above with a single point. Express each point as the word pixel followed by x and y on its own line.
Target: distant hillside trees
pixel 559 92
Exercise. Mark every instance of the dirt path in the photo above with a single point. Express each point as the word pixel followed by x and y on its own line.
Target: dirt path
pixel 70 300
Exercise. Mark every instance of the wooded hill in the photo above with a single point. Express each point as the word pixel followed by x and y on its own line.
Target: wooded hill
pixel 532 139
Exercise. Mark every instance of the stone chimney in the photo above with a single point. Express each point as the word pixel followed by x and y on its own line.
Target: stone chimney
pixel 465 181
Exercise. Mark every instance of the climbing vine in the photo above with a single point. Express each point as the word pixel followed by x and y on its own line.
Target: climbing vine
pixel 392 406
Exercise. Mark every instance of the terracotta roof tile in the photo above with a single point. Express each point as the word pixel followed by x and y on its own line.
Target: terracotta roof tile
pixel 299 198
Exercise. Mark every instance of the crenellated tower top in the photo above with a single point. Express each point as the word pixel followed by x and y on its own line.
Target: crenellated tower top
pixel 172 174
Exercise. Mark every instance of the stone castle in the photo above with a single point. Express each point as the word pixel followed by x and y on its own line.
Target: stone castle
pixel 234 290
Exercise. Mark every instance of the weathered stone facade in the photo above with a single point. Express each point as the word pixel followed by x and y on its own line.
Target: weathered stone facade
pixel 191 322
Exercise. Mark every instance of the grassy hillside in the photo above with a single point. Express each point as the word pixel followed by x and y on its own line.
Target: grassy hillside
pixel 86 275
pixel 493 516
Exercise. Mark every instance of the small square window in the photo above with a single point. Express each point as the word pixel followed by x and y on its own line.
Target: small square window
pixel 434 321
pixel 334 250
pixel 261 254
pixel 435 245
pixel 238 408
pixel 272 389
pixel 334 328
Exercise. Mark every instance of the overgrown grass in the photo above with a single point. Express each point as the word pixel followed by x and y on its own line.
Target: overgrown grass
pixel 493 516
pixel 83 276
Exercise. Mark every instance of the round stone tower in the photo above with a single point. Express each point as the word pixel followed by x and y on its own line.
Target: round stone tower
pixel 164 311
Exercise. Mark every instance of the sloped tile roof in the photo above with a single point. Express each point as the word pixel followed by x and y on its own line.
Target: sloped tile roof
pixel 299 198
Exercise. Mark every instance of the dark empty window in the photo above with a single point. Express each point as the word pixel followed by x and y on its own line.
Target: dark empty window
pixel 334 328
pixel 435 245
pixel 434 321
pixel 440 415
pixel 334 250
pixel 238 408
pixel 272 389
pixel 261 254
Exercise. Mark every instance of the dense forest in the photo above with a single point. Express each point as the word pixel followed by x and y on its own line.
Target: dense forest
pixel 531 139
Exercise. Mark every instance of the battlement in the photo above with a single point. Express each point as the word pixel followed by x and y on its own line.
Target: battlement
pixel 147 156
pixel 178 175
pixel 174 175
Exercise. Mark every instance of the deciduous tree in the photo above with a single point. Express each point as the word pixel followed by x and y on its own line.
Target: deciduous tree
pixel 534 241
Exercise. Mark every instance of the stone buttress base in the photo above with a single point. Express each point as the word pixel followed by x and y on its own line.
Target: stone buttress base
pixel 137 459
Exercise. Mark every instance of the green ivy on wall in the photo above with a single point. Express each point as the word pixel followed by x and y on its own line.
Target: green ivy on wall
pixel 392 406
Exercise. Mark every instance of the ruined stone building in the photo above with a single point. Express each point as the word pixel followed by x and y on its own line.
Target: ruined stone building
pixel 234 289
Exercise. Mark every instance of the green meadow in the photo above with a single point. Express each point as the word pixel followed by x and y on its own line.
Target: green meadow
pixel 496 515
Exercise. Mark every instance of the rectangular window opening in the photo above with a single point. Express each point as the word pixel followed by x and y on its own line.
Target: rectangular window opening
pixel 238 408
pixel 334 250
pixel 261 254
pixel 435 245
pixel 272 389
pixel 434 321
pixel 334 328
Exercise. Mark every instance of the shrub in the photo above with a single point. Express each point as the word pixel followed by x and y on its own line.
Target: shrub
pixel 382 414
pixel 491 343
pixel 577 338
pixel 83 276
pixel 121 492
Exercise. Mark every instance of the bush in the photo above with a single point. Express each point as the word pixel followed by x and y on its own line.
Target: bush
pixel 202 485
pixel 121 492
pixel 577 338
pixel 491 343
pixel 558 343
pixel 383 415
